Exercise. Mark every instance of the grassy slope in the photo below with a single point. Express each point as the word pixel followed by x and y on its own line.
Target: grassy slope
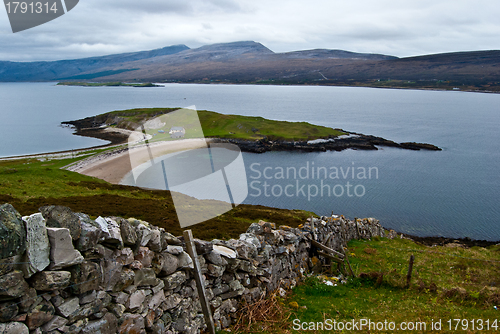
pixel 448 283
pixel 245 127
pixel 30 184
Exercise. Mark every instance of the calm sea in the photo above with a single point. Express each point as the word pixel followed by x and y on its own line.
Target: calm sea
pixel 453 193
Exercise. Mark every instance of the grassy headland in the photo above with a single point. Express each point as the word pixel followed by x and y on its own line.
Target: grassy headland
pixel 251 134
pixel 216 125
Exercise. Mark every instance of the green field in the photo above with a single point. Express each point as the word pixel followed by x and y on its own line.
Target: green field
pixel 448 282
pixel 245 127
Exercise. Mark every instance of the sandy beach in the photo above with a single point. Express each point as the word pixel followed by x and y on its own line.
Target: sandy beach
pixel 113 166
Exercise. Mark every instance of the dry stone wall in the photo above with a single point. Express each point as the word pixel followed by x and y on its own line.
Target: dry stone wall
pixel 63 272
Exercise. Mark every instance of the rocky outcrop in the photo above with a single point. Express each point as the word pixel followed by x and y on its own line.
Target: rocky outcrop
pixel 128 276
pixel 353 141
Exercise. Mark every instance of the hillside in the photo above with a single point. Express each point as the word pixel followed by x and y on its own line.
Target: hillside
pixel 85 68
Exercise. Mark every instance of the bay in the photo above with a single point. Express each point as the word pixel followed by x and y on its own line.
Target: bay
pixel 453 193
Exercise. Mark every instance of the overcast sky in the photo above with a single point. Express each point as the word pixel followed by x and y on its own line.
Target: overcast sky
pixel 400 28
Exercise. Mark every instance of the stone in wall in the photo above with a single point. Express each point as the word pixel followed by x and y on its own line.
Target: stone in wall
pixel 12 232
pixel 184 261
pixel 13 285
pixel 145 257
pixel 114 237
pixel 8 311
pixel 90 233
pixel 144 233
pixel 7 264
pixel 155 242
pixel 14 328
pixel 85 277
pixel 129 236
pixel 169 263
pixel 62 252
pixel 127 278
pixel 55 323
pixel 40 314
pixel 62 217
pixel 50 280
pixel 132 323
pixel 37 245
pixel 110 269
pixel 108 324
pixel 124 256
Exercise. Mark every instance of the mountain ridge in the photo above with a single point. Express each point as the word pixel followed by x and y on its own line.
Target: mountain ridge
pixel 252 62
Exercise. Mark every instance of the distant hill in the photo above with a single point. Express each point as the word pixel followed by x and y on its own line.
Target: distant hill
pixel 334 54
pixel 251 62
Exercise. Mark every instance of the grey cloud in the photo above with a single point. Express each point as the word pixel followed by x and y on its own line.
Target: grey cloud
pixel 157 7
pixel 377 33
pixel 138 6
pixel 387 26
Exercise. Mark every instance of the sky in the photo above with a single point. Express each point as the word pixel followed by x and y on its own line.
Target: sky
pixel 399 28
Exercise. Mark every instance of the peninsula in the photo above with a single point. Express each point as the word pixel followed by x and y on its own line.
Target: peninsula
pixel 251 134
pixel 106 84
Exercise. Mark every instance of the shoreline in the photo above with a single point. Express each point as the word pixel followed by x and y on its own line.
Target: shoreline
pixel 104 165
pixel 114 165
pixel 104 161
pixel 328 85
pixel 116 138
pixel 159 84
pixel 360 86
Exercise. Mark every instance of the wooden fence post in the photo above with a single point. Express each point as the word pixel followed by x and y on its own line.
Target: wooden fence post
pixel 357 228
pixel 200 284
pixel 410 268
pixel 312 227
pixel 343 233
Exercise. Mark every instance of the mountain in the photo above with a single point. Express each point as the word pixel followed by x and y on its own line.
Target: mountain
pixel 238 62
pixel 251 62
pixel 175 58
